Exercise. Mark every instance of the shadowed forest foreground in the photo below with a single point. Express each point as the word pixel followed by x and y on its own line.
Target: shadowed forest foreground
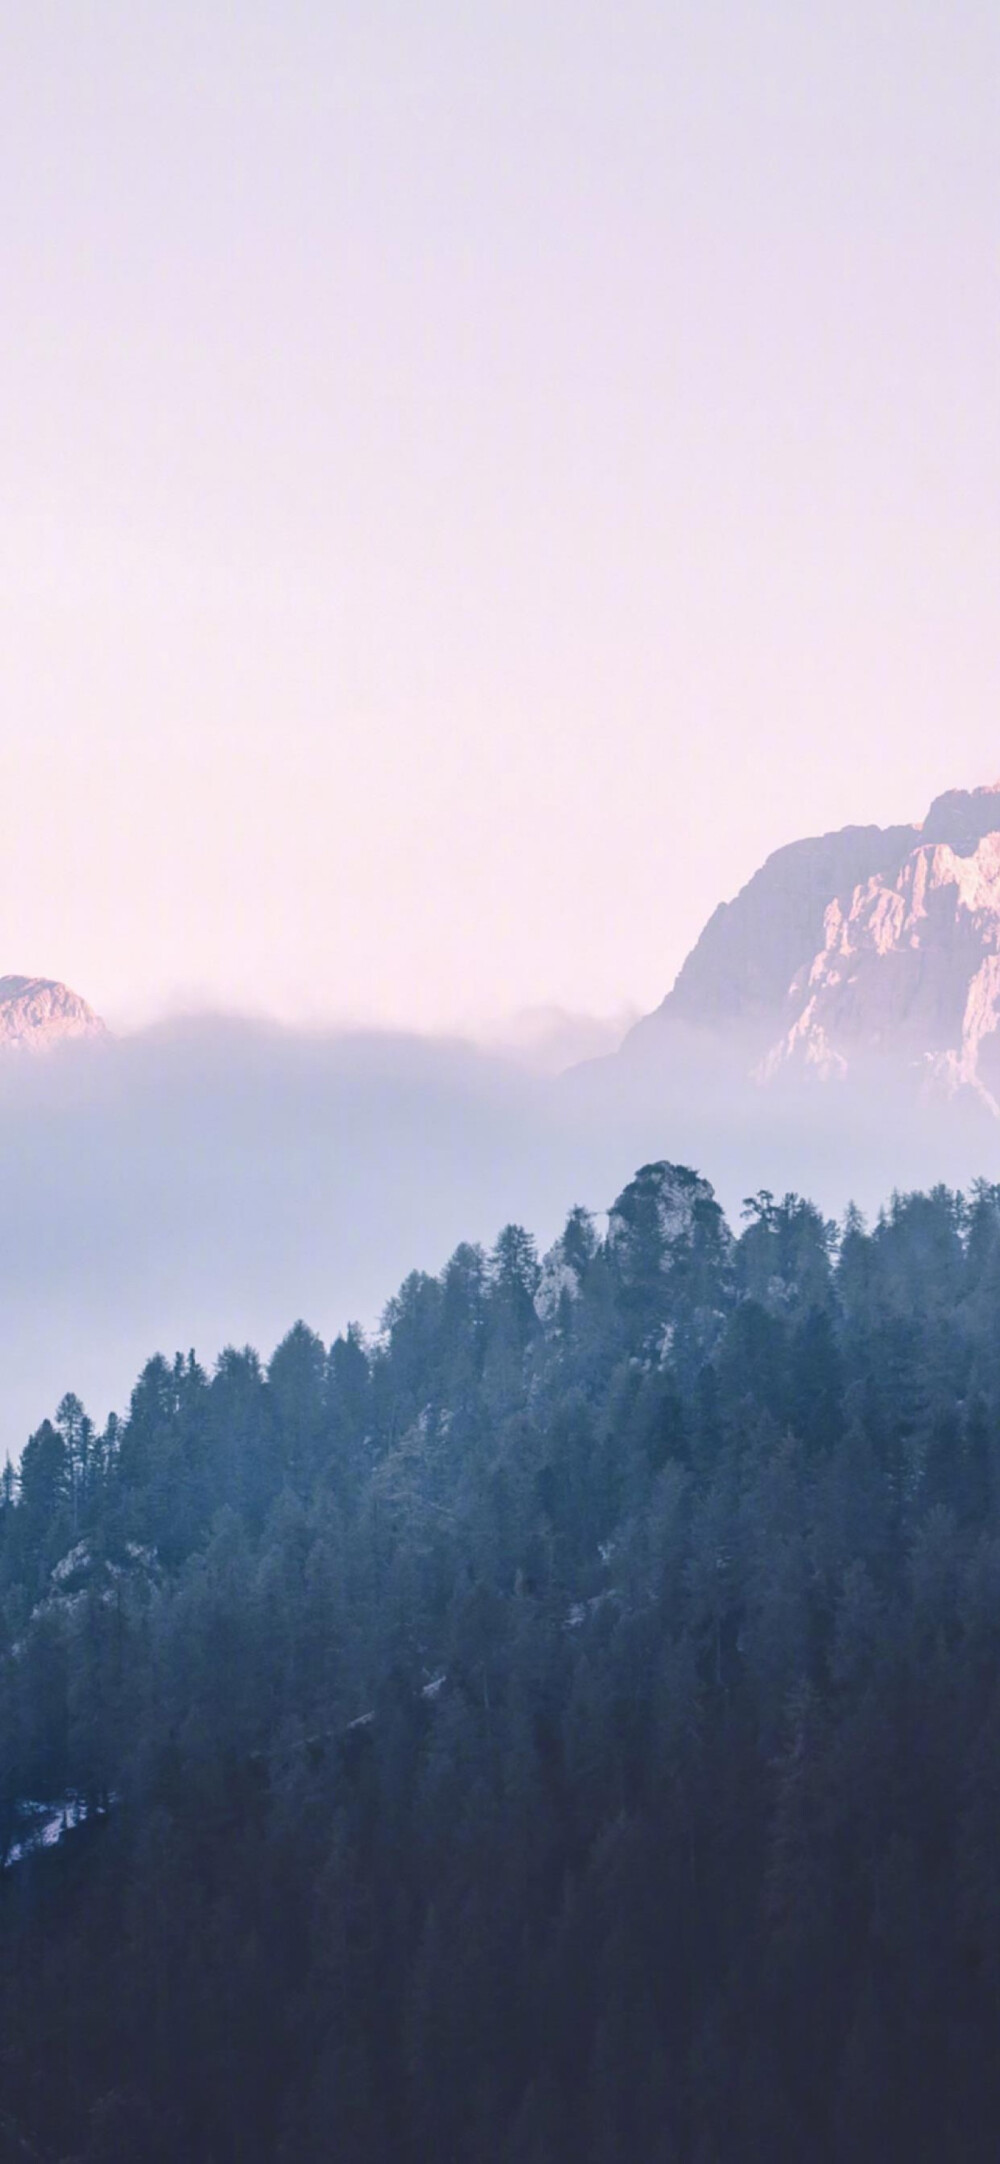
pixel 565 1730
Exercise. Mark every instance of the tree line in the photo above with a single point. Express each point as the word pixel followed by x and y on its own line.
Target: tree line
pixel 563 1728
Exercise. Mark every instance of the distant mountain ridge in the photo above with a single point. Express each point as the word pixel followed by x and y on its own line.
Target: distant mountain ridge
pixel 39 1012
pixel 867 942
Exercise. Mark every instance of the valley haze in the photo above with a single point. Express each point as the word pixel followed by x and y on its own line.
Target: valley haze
pixel 206 1180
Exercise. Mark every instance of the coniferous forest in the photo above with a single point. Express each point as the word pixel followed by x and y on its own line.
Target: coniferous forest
pixel 564 1729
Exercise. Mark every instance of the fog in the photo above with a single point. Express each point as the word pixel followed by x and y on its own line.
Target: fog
pixel 209 1182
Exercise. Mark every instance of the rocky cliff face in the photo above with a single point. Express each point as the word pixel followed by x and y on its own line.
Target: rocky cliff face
pixel 751 948
pixel 37 1013
pixel 866 943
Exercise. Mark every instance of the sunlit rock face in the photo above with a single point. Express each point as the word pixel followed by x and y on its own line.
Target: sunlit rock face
pixel 909 968
pixel 37 1013
pixel 870 943
pixel 739 972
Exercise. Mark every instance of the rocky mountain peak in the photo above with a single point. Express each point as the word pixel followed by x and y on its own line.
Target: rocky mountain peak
pixel 910 968
pixel 39 1012
pixel 963 818
pixel 868 942
pixel 740 970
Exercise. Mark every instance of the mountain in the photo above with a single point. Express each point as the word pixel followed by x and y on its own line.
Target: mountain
pixel 38 1012
pixel 867 944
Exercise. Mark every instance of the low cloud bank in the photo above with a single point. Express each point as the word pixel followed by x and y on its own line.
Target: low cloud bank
pixel 209 1182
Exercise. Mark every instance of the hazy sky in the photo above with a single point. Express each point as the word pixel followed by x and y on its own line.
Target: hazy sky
pixel 474 477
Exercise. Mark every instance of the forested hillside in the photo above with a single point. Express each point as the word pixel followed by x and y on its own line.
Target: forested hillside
pixel 565 1730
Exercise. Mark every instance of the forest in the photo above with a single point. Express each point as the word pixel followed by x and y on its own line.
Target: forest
pixel 561 1727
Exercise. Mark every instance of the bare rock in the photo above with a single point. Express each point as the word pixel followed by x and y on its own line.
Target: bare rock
pixel 37 1013
pixel 909 968
pixel 869 943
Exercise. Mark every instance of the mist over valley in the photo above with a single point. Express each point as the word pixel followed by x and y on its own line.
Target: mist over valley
pixel 205 1181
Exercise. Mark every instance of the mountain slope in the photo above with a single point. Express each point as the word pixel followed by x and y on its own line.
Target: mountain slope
pixel 911 967
pixel 556 1731
pixel 867 942
pixel 740 970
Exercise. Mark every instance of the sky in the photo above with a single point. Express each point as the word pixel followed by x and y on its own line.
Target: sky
pixel 476 476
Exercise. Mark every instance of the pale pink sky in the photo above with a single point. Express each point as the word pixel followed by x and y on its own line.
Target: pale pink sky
pixel 476 476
